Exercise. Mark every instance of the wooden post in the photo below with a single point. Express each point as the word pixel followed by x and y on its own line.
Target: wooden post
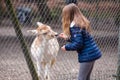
pixel 21 39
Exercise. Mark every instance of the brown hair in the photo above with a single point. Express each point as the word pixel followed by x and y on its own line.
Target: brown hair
pixel 71 13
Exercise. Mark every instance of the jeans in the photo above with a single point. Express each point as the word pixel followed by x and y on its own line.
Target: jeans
pixel 85 70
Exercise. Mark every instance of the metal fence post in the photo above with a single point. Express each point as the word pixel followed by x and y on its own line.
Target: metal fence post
pixel 21 39
pixel 118 69
pixel 118 24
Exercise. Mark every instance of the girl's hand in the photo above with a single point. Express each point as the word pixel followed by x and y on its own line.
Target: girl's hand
pixel 63 48
pixel 62 35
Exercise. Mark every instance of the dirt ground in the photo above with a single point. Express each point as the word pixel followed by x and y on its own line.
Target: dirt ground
pixel 13 65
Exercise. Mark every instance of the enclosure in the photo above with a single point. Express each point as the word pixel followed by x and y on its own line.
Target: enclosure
pixel 104 16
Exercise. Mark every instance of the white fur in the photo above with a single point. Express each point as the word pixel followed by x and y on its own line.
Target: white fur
pixel 44 51
pixel 39 23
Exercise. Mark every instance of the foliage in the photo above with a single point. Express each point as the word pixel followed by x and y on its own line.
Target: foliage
pixel 56 13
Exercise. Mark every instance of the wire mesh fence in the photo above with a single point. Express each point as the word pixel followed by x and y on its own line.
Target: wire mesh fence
pixel 104 16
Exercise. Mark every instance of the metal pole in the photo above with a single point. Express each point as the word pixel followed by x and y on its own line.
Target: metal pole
pixel 118 24
pixel 118 69
pixel 21 39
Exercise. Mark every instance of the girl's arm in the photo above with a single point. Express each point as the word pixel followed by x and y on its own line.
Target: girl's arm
pixel 77 41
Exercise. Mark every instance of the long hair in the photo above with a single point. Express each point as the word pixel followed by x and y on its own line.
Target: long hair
pixel 72 13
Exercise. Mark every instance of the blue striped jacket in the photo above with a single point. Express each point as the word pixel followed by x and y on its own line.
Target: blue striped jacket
pixel 85 45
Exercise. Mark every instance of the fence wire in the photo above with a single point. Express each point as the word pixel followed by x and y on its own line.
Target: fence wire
pixel 104 16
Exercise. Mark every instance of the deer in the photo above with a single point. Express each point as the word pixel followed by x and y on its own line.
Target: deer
pixel 44 49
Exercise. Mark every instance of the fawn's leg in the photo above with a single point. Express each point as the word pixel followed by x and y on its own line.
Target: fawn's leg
pixel 46 76
pixel 52 62
pixel 38 68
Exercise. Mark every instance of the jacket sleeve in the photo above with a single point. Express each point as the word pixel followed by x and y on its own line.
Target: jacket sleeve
pixel 76 43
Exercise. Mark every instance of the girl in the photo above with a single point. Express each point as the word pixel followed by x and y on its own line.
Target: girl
pixel 76 29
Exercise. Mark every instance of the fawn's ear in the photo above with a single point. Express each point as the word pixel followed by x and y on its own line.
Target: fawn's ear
pixel 39 23
pixel 32 31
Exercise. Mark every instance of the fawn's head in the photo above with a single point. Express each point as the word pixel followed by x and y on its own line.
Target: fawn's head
pixel 44 30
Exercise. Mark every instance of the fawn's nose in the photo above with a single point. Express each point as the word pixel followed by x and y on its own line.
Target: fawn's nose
pixel 57 34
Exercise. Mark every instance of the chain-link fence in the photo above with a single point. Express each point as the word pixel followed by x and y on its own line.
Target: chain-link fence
pixel 104 16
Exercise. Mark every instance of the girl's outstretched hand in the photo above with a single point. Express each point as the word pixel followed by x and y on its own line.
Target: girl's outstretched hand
pixel 63 48
pixel 62 35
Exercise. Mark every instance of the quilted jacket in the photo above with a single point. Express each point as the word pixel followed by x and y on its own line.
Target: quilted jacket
pixel 85 45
